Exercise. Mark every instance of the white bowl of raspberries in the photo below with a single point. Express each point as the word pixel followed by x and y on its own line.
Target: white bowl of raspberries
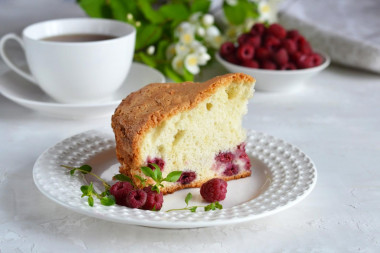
pixel 278 59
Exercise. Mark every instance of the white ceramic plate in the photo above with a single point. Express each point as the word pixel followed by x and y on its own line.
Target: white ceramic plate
pixel 282 176
pixel 26 94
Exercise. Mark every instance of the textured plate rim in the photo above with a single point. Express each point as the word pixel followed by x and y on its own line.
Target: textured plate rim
pixel 93 212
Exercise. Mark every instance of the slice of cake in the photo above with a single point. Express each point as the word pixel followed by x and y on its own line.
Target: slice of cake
pixel 192 127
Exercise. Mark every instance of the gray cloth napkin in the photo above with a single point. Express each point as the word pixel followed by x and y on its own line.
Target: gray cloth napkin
pixel 347 30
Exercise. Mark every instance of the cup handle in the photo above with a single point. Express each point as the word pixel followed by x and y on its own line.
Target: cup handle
pixel 10 64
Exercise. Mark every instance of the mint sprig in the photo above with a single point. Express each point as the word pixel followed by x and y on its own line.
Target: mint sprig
pixel 156 175
pixel 212 206
pixel 88 191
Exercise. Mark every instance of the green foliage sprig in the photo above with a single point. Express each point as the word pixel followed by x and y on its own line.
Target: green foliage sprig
pixel 212 206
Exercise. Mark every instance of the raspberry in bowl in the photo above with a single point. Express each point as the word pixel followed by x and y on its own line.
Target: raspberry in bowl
pixel 280 60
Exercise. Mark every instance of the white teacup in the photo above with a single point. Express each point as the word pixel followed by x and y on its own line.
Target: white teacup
pixel 76 72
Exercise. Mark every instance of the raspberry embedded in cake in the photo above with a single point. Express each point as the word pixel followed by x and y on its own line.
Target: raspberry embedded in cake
pixel 192 127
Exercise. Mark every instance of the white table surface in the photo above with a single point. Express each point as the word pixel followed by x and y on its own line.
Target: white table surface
pixel 335 120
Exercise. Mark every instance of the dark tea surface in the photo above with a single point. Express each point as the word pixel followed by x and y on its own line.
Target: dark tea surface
pixel 79 38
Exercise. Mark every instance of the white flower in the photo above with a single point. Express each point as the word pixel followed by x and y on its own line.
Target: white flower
pixel 231 2
pixel 212 31
pixel 208 20
pixel 191 63
pixel 198 47
pixel 203 58
pixel 129 16
pixel 233 31
pixel 184 27
pixel 201 31
pixel 194 18
pixel 170 51
pixel 267 11
pixel 178 64
pixel 186 37
pixel 181 49
pixel 138 23
pixel 248 23
pixel 216 41
pixel 150 50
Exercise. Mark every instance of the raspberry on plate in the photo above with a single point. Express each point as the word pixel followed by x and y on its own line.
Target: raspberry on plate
pixel 120 191
pixel 277 30
pixel 136 198
pixel 187 177
pixel 245 52
pixel 214 190
pixel 154 200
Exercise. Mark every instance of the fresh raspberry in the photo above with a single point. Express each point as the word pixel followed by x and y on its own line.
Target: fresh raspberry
pixel 245 52
pixel 120 191
pixel 187 177
pixel 255 41
pixel 289 45
pixel 317 59
pixel 293 34
pixel 159 161
pixel 225 157
pixel 242 38
pixel 214 190
pixel 258 28
pixel 295 57
pixel 136 198
pixel 281 57
pixel 251 64
pixel 268 65
pixel 231 169
pixel 227 48
pixel 154 200
pixel 288 66
pixel 305 62
pixel 277 30
pixel 262 54
pixel 303 45
pixel 271 42
pixel 232 59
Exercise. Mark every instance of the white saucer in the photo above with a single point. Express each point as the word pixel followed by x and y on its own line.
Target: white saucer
pixel 26 94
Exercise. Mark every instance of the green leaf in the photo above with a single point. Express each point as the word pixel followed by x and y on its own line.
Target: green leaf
pixel 175 11
pixel 161 49
pixel 90 201
pixel 147 35
pixel 200 6
pixel 210 207
pixel 72 171
pixel 150 14
pixel 142 180
pixel 169 72
pixel 148 172
pixel 123 178
pixel 173 176
pixel 108 201
pixel 119 9
pixel 85 167
pixel 235 14
pixel 218 205
pixel 155 188
pixel 93 8
pixel 147 59
pixel 193 209
pixel 157 172
pixel 188 76
pixel 84 189
pixel 188 197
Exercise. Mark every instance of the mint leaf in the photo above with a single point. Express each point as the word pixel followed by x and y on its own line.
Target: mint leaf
pixel 123 178
pixel 193 209
pixel 173 176
pixel 142 180
pixel 72 171
pixel 188 197
pixel 108 201
pixel 84 189
pixel 218 205
pixel 85 167
pixel 155 188
pixel 157 172
pixel 90 201
pixel 210 207
pixel 148 172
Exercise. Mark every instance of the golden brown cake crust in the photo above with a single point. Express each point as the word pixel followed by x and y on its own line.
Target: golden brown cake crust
pixel 154 103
